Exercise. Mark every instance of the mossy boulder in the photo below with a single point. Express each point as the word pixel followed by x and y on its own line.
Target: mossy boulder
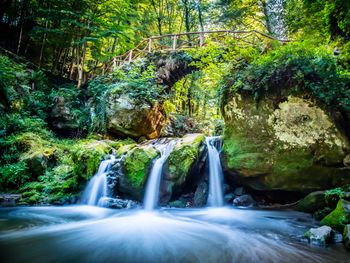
pixel 87 155
pixel 183 165
pixel 131 117
pixel 137 164
pixel 312 202
pixel 285 142
pixel 339 217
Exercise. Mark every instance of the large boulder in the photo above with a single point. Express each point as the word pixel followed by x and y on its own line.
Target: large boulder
pixel 130 117
pixel 182 169
pixel 288 144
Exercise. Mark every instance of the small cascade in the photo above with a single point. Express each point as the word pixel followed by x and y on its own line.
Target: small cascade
pixel 152 188
pixel 97 186
pixel 275 12
pixel 216 196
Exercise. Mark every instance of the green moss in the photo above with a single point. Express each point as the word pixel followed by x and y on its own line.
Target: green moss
pixel 87 155
pixel 332 196
pixel 312 202
pixel 137 164
pixel 184 155
pixel 339 217
pixel 125 148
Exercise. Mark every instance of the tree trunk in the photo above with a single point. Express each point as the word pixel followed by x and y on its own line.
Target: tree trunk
pixel 43 44
pixel 187 18
pixel 200 16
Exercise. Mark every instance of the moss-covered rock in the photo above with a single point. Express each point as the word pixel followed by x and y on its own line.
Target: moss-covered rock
pixel 339 217
pixel 183 164
pixel 87 155
pixel 319 236
pixel 312 202
pixel 285 142
pixel 137 163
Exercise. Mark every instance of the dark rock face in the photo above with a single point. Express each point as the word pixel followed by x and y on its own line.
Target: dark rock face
pixel 346 236
pixel 201 195
pixel 62 120
pixel 130 118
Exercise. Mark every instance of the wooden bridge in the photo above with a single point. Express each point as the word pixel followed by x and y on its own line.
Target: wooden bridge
pixel 181 41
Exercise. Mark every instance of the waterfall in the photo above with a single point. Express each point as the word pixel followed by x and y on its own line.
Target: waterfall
pixel 275 13
pixel 152 188
pixel 216 196
pixel 97 186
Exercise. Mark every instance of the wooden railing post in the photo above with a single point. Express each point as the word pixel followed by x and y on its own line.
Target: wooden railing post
pixel 201 39
pixel 130 56
pixel 150 45
pixel 114 63
pixel 174 42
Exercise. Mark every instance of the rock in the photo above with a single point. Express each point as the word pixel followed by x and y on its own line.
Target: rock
pixel 136 165
pixel 9 199
pixel 126 116
pixel 319 236
pixel 229 197
pixel 346 236
pixel 172 67
pixel 88 154
pixel 201 195
pixel 239 191
pixel 320 214
pixel 178 204
pixel 339 217
pixel 117 203
pixel 244 200
pixel 285 143
pixel 346 160
pixel 312 202
pixel 227 189
pixel 62 119
pixel 183 166
pixel 337 237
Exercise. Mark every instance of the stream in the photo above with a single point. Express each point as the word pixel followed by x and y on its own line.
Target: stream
pixel 95 234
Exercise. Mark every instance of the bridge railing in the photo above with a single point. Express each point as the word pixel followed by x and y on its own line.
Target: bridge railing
pixel 181 41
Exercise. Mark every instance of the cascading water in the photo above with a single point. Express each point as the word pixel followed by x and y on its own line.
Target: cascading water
pixel 275 13
pixel 216 197
pixel 153 183
pixel 97 187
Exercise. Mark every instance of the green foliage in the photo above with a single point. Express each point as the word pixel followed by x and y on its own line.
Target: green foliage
pixel 13 175
pixel 326 18
pixel 299 68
